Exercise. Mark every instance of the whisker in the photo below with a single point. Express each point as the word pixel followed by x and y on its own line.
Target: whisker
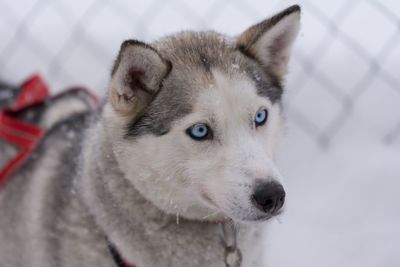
pixel 210 215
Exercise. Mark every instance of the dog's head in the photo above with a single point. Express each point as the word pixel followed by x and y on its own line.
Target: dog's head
pixel 195 117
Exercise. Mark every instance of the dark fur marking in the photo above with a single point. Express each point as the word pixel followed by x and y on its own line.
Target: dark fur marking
pixel 242 48
pixel 271 89
pixel 158 117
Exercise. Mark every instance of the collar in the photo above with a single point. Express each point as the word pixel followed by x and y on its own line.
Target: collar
pixel 119 261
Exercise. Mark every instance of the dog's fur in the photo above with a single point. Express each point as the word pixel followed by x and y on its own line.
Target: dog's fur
pixel 136 178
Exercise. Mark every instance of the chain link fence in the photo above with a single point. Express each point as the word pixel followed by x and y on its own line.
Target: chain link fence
pixel 344 79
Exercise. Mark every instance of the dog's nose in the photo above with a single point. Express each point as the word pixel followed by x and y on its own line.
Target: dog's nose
pixel 269 197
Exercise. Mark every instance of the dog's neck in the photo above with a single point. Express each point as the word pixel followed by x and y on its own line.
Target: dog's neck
pixel 121 212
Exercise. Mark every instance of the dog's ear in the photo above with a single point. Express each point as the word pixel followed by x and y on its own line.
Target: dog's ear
pixel 136 77
pixel 270 41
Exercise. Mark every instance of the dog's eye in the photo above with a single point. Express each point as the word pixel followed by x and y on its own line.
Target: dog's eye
pixel 199 131
pixel 261 117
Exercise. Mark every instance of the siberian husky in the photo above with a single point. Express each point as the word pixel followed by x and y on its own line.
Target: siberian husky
pixel 175 169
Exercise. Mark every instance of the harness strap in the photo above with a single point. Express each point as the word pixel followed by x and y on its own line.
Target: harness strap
pixel 23 135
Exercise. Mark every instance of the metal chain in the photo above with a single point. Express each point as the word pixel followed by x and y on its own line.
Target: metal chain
pixel 232 254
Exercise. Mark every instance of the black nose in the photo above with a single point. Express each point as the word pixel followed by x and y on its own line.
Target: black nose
pixel 269 197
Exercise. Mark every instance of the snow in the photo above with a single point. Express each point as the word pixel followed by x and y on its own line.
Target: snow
pixel 343 208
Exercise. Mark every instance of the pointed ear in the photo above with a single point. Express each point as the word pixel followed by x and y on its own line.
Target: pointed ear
pixel 270 41
pixel 136 77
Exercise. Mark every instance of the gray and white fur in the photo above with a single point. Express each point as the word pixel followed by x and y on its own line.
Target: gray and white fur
pixel 133 174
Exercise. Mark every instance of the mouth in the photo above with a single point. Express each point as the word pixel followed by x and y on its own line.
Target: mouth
pixel 259 217
pixel 267 217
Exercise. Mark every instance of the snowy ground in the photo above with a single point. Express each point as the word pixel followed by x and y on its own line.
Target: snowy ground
pixel 343 208
pixel 343 199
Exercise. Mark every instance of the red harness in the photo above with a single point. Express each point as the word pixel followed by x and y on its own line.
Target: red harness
pixel 26 136
pixel 21 134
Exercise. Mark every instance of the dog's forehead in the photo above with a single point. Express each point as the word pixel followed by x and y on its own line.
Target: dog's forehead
pixel 192 50
pixel 195 54
pixel 228 96
pixel 195 58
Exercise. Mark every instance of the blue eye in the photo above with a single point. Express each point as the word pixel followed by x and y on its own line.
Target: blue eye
pixel 261 117
pixel 199 131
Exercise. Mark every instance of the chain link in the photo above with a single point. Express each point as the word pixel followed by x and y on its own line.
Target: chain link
pixel 232 254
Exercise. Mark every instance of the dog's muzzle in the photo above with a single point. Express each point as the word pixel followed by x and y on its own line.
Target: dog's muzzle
pixel 269 197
